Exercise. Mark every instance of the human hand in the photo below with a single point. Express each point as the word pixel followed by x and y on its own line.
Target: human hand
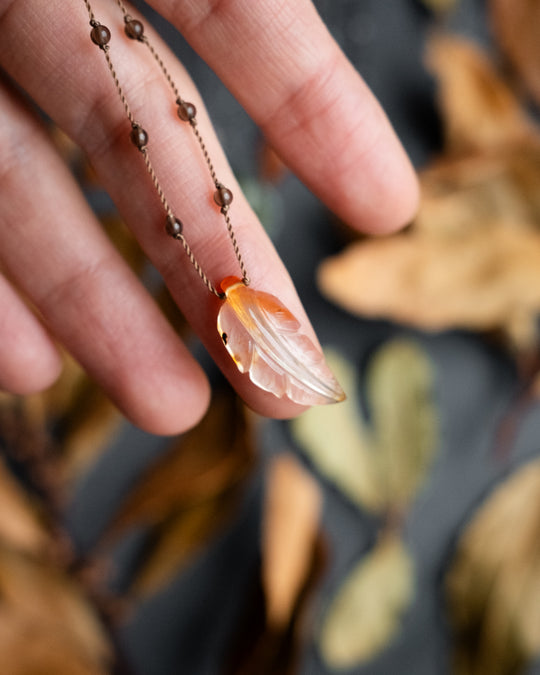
pixel 283 66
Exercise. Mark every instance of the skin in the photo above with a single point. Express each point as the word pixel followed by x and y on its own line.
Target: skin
pixel 279 60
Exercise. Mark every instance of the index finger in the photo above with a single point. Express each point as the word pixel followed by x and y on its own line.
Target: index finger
pixel 284 67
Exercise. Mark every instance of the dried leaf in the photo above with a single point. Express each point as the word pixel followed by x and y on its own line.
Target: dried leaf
pixel 441 5
pixel 290 528
pixel 368 610
pixel 88 430
pixel 338 443
pixel 48 603
pixel 382 465
pixel 200 466
pixel 475 282
pixel 20 525
pixel 470 258
pixel 493 585
pixel 174 543
pixel 30 647
pixel 480 112
pixel 515 24
pixel 403 420
pixel 189 493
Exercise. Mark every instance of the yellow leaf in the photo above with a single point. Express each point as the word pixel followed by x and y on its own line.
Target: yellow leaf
pixel 368 610
pixel 403 419
pixel 290 527
pixel 493 586
pixel 336 441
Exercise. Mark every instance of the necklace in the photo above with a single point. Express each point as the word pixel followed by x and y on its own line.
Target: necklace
pixel 261 335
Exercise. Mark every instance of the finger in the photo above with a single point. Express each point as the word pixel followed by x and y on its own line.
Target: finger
pixel 67 76
pixel 281 63
pixel 53 249
pixel 29 361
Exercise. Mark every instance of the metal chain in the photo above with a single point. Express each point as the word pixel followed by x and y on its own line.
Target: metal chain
pixel 134 28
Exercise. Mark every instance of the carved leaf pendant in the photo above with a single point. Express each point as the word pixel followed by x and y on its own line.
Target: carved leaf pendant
pixel 264 340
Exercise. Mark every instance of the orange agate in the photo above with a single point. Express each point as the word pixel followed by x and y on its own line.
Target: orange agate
pixel 265 340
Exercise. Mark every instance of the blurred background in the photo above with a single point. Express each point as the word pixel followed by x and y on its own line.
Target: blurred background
pixel 396 533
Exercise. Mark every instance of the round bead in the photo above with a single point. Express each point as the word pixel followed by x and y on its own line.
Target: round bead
pixel 223 196
pixel 134 29
pixel 100 35
pixel 174 226
pixel 186 111
pixel 139 137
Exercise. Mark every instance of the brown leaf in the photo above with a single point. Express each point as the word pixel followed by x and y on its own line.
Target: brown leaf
pixel 470 258
pixel 48 604
pixel 30 647
pixel 200 466
pixel 189 493
pixel 441 5
pixel 88 429
pixel 493 585
pixel 21 526
pixel 476 282
pixel 290 527
pixel 480 112
pixel 175 542
pixel 515 24
pixel 367 612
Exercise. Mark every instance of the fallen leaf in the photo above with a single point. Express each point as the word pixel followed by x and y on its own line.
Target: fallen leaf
pixel 49 603
pixel 469 260
pixel 87 430
pixel 515 25
pixel 475 283
pixel 272 632
pixel 290 528
pixel 441 5
pixel 188 494
pixel 479 110
pixel 380 465
pixel 493 584
pixel 30 647
pixel 368 609
pixel 21 526
pixel 173 543
pixel 403 420
pixel 200 465
pixel 338 443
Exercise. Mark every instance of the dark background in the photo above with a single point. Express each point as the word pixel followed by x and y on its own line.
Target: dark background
pixel 188 627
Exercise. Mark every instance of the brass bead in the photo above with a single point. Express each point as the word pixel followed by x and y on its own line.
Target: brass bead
pixel 139 137
pixel 186 111
pixel 100 35
pixel 174 227
pixel 134 29
pixel 223 196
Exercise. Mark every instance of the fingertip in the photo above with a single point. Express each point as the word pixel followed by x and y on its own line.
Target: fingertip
pixel 29 365
pixel 172 402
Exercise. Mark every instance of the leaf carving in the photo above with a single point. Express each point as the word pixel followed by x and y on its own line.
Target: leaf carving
pixel 264 340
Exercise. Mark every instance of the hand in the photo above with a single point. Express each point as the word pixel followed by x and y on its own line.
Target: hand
pixel 281 63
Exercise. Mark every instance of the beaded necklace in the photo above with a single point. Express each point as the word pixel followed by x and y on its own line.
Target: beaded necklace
pixel 261 335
